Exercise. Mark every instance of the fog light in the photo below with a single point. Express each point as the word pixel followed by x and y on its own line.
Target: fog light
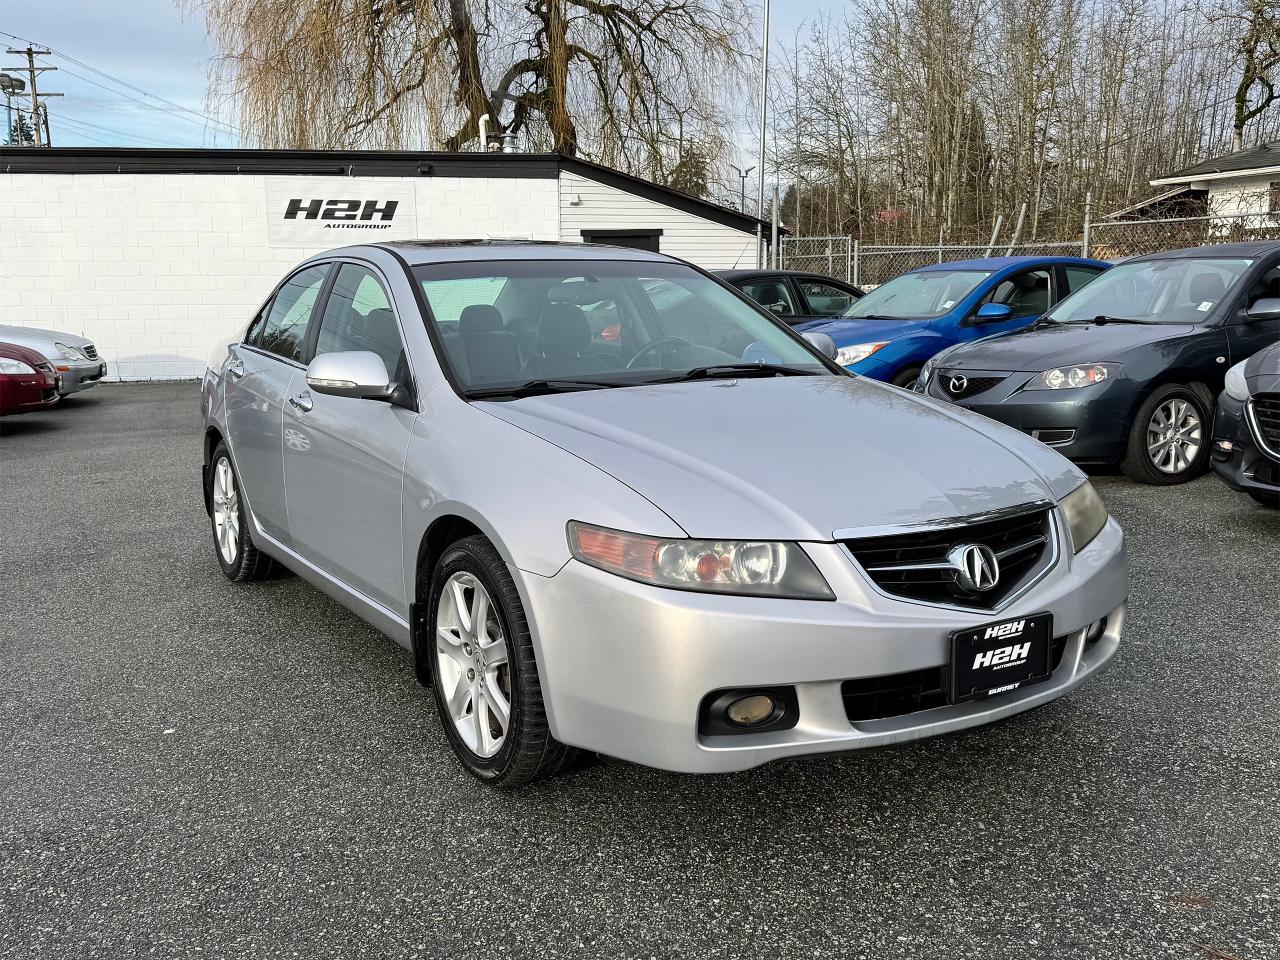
pixel 1224 446
pixel 1095 632
pixel 752 710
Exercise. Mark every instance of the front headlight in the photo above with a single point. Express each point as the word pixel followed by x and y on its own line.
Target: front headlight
pixel 848 356
pixel 1086 516
pixel 753 568
pixel 1080 375
pixel 926 372
pixel 1235 384
pixel 69 353
pixel 14 366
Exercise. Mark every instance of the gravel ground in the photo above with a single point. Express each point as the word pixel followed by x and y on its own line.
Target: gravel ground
pixel 193 768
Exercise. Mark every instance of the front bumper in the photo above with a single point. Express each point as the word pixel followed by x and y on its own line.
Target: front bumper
pixel 624 666
pixel 27 393
pixel 1246 467
pixel 75 376
pixel 1093 422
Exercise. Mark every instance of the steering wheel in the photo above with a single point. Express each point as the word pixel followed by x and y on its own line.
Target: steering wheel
pixel 654 345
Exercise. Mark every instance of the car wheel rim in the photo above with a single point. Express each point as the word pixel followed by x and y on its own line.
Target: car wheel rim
pixel 474 672
pixel 226 511
pixel 1174 436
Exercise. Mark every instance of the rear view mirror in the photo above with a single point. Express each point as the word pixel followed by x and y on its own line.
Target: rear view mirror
pixel 352 373
pixel 1264 308
pixel 993 313
pixel 824 344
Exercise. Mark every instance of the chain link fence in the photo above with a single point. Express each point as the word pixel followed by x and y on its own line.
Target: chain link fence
pixel 868 266
pixel 1118 239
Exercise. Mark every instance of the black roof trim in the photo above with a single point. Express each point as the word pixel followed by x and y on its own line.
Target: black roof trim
pixel 358 163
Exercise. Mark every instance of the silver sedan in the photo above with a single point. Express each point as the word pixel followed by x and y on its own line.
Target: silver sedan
pixel 74 358
pixel 612 506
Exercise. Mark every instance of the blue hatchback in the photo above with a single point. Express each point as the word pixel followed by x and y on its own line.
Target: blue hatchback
pixel 890 333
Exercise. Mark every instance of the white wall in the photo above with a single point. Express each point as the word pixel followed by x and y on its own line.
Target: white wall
pixel 1240 195
pixel 601 207
pixel 156 269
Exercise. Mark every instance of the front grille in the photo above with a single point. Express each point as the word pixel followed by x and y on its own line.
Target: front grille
pixel 877 698
pixel 90 351
pixel 1266 413
pixel 965 386
pixel 915 565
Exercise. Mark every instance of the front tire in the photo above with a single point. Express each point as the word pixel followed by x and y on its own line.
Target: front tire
pixel 1168 438
pixel 483 671
pixel 240 560
pixel 906 378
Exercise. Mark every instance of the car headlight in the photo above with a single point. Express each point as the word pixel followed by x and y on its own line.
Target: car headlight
pixel 847 356
pixel 69 353
pixel 1086 516
pixel 14 366
pixel 926 372
pixel 750 567
pixel 1236 386
pixel 1079 375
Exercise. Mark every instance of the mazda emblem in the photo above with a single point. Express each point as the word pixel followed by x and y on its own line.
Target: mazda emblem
pixel 957 384
pixel 977 569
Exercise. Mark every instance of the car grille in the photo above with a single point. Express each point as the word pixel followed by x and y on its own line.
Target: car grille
pixel 915 565
pixel 1266 413
pixel 966 386
pixel 877 698
pixel 90 351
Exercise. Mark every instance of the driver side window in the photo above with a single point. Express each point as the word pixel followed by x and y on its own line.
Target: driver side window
pixel 771 293
pixel 1027 293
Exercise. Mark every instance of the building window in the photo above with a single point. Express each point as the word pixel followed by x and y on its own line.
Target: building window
pixel 639 239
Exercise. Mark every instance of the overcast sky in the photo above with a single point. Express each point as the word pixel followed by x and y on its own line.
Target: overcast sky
pixel 162 50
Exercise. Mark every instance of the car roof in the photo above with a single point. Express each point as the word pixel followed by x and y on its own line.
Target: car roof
pixel 752 273
pixel 1002 263
pixel 1248 248
pixel 417 252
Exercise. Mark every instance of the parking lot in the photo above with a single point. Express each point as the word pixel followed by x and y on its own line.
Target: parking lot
pixel 194 768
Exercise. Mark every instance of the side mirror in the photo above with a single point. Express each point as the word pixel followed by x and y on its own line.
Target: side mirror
pixel 825 345
pixel 1264 308
pixel 993 313
pixel 353 373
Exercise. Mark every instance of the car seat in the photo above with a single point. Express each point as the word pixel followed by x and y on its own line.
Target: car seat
pixel 563 338
pixel 492 353
pixel 1206 287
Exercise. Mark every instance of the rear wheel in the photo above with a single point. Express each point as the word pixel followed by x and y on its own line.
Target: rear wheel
pixel 906 378
pixel 483 670
pixel 239 558
pixel 1167 439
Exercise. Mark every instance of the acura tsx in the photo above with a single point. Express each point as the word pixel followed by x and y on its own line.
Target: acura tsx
pixel 644 545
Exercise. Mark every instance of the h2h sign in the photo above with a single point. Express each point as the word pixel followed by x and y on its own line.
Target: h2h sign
pixel 335 211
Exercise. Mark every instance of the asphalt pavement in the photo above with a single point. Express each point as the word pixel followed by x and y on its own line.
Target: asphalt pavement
pixel 194 768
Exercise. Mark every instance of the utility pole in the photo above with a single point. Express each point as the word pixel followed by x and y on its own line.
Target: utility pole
pixel 764 114
pixel 38 110
pixel 742 193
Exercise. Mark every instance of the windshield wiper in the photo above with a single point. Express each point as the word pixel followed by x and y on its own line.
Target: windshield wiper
pixel 1102 319
pixel 730 370
pixel 872 316
pixel 533 388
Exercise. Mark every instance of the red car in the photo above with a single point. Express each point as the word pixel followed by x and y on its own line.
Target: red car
pixel 27 381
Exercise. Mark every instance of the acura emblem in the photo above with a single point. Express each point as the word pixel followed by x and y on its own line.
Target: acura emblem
pixel 957 384
pixel 976 566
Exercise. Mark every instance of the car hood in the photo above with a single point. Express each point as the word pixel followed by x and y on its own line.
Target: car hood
pixel 847 332
pixel 795 458
pixel 8 332
pixel 1038 349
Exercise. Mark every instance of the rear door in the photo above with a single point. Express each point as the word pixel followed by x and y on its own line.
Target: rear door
pixel 343 457
pixel 257 381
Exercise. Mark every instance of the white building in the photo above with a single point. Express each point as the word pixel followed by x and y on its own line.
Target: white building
pixel 157 255
pixel 1246 182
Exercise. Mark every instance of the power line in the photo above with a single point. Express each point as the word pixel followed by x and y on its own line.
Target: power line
pixel 111 131
pixel 169 107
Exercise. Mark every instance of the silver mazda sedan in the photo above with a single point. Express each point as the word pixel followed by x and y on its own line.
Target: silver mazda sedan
pixel 611 505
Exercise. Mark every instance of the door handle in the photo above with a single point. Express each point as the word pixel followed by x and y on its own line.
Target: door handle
pixel 302 402
pixel 235 369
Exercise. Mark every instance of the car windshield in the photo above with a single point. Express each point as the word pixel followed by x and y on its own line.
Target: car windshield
pixel 1175 290
pixel 917 296
pixel 565 324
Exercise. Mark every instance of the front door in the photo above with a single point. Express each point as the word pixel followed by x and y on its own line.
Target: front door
pixel 344 458
pixel 258 378
pixel 1245 335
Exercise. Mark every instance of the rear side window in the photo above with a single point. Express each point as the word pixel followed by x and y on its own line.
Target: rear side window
pixel 358 316
pixel 285 332
pixel 1077 277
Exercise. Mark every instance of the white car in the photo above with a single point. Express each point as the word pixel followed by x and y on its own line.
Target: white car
pixel 74 358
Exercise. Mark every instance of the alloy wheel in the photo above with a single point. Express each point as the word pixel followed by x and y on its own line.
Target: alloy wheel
pixel 472 662
pixel 1174 436
pixel 226 511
